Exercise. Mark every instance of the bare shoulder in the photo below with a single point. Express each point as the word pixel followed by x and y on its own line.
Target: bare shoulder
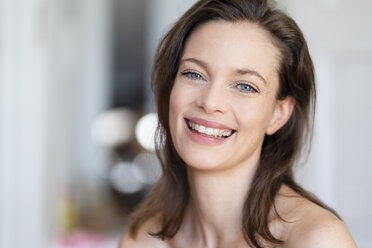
pixel 315 227
pixel 143 239
pixel 320 229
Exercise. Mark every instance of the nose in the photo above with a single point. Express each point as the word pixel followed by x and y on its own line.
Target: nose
pixel 212 99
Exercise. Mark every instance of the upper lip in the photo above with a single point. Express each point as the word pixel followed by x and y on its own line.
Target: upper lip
pixel 210 124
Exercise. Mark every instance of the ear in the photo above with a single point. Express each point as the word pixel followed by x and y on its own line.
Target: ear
pixel 282 113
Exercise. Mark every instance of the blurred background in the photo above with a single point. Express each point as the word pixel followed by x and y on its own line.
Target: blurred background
pixel 76 124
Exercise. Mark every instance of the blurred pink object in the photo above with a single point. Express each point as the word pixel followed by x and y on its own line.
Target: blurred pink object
pixel 83 239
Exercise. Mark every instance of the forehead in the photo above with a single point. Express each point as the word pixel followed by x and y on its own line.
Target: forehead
pixel 227 45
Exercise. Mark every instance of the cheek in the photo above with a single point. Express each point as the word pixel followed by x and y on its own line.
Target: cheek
pixel 177 103
pixel 172 110
pixel 253 114
pixel 181 97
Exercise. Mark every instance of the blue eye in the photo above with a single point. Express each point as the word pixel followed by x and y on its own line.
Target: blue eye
pixel 245 87
pixel 192 75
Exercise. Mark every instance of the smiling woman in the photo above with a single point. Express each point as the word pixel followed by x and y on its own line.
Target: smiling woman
pixel 214 97
pixel 234 89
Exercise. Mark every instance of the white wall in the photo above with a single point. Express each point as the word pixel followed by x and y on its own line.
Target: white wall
pixel 54 76
pixel 80 70
pixel 338 171
pixel 23 93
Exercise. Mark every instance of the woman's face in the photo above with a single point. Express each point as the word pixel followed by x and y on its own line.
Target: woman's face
pixel 223 101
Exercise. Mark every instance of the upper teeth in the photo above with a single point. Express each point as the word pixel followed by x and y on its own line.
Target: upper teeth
pixel 210 131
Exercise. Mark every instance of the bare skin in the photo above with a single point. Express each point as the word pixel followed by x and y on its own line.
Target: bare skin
pixel 208 87
pixel 308 226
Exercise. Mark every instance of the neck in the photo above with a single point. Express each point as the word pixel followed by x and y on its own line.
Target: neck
pixel 216 203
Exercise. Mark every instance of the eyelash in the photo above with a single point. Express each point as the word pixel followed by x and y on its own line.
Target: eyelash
pixel 191 74
pixel 245 84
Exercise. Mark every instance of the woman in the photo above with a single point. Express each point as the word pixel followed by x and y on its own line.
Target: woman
pixel 234 89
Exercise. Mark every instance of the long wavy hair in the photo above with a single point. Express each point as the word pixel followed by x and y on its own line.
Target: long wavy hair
pixel 169 198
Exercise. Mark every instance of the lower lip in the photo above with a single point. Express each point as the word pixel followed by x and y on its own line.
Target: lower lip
pixel 202 139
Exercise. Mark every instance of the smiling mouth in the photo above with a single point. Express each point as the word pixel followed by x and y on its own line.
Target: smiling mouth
pixel 209 132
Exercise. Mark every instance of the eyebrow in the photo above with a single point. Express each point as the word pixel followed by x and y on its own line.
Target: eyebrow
pixel 253 72
pixel 238 71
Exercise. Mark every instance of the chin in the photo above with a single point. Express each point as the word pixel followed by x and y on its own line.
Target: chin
pixel 204 162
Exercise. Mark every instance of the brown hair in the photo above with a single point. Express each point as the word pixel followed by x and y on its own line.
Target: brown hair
pixel 168 199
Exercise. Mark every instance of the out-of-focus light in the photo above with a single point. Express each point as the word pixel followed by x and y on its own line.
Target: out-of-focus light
pixel 146 167
pixel 123 180
pixel 145 131
pixel 114 127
